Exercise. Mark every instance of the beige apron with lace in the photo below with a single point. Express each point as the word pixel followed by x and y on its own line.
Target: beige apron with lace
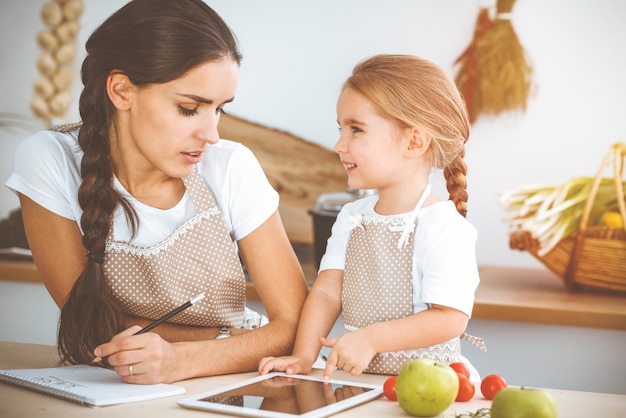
pixel 198 257
pixel 377 285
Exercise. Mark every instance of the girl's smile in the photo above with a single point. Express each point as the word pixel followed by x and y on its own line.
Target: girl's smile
pixel 349 167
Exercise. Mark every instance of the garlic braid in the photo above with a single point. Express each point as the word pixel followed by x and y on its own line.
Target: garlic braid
pixel 52 97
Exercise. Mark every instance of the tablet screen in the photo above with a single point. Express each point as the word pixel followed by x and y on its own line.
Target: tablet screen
pixel 281 395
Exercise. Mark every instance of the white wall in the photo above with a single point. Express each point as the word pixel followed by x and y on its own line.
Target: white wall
pixel 296 55
pixel 27 313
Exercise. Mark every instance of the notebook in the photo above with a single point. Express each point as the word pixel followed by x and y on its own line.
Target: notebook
pixel 87 385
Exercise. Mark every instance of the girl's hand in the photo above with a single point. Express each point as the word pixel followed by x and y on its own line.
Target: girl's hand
pixel 350 352
pixel 287 364
pixel 142 359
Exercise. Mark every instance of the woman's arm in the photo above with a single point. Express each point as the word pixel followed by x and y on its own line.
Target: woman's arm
pixel 57 247
pixel 280 283
pixel 56 244
pixel 320 312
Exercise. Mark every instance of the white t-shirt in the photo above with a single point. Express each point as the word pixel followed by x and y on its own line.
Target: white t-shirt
pixel 47 170
pixel 445 271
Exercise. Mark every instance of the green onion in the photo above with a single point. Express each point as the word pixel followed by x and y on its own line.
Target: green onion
pixel 551 213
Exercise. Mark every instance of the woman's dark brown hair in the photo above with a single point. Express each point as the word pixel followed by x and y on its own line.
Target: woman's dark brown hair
pixel 151 41
pixel 414 92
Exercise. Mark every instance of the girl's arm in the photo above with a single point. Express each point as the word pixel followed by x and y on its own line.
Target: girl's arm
pixel 423 329
pixel 353 351
pixel 320 312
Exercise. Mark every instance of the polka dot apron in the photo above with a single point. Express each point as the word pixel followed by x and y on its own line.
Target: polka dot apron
pixel 377 285
pixel 199 256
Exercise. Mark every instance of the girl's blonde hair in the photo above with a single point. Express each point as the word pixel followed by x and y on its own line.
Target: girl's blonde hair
pixel 415 92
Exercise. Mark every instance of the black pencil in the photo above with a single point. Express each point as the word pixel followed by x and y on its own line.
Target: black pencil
pixel 171 314
pixel 163 319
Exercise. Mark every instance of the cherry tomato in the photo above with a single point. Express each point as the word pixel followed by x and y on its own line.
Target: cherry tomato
pixel 491 385
pixel 460 368
pixel 389 388
pixel 466 389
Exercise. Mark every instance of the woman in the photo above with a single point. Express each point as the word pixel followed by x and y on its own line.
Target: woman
pixel 142 207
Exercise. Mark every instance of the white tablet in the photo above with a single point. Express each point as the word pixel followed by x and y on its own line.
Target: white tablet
pixel 279 395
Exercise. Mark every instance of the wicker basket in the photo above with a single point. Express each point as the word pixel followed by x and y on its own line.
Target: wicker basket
pixel 592 256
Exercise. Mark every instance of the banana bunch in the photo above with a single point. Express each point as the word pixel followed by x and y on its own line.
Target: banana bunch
pixel 551 213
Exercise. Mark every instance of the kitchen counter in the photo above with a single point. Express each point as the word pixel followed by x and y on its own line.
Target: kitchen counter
pixel 505 293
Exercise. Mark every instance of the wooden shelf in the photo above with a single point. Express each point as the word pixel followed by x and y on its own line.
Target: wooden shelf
pixel 539 296
pixel 505 294
pixel 19 271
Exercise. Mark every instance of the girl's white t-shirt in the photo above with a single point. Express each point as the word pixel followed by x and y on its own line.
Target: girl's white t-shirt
pixel 47 170
pixel 445 270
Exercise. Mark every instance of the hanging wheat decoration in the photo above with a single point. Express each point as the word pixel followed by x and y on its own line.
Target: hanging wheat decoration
pixel 466 77
pixel 494 70
pixel 52 97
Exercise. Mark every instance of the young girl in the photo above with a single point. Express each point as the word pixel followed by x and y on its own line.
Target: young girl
pixel 142 207
pixel 401 265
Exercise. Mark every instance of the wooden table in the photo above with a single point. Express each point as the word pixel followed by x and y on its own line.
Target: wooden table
pixel 20 403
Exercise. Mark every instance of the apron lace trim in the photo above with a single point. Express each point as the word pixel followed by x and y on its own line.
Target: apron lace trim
pixel 120 246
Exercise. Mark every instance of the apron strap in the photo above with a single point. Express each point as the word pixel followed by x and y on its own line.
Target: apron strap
pixel 409 221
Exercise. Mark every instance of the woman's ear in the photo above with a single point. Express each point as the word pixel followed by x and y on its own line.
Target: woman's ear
pixel 119 90
pixel 419 142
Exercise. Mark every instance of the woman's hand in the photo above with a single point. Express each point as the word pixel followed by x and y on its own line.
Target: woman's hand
pixel 142 359
pixel 287 364
pixel 350 352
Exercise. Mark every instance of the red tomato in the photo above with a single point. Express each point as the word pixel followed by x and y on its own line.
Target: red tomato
pixel 491 385
pixel 460 368
pixel 466 389
pixel 389 388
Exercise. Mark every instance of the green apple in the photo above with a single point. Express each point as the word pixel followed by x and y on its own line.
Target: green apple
pixel 426 388
pixel 523 403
